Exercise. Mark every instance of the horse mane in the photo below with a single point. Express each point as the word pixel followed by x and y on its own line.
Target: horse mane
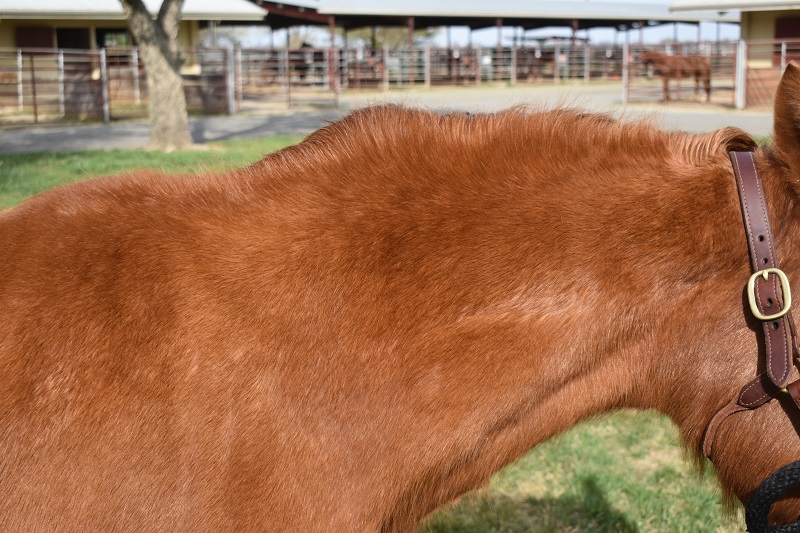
pixel 394 135
pixel 698 149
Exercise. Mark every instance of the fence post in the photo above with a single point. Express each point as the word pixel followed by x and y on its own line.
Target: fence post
pixel 33 90
pixel 740 94
pixel 239 77
pixel 783 56
pixel 385 68
pixel 61 102
pixel 230 81
pixel 327 72
pixel 104 86
pixel 556 62
pixel 19 79
pixel 478 65
pixel 427 61
pixel 587 62
pixel 513 65
pixel 137 94
pixel 287 76
pixel 626 50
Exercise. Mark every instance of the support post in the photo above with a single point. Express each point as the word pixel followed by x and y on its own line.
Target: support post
pixel 332 70
pixel 573 50
pixel 212 25
pixel 104 86
pixel 740 91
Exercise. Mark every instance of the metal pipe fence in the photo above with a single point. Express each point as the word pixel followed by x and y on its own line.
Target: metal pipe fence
pixel 41 85
pixel 766 61
pixel 679 72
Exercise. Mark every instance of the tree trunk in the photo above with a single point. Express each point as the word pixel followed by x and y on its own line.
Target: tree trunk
pixel 157 39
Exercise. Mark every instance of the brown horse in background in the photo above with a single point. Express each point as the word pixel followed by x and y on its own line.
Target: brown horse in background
pixel 676 67
pixel 357 329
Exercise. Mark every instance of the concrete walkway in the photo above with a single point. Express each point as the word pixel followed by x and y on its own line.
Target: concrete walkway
pixel 603 98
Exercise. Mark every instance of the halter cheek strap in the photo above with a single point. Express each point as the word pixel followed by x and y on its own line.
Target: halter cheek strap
pixel 769 298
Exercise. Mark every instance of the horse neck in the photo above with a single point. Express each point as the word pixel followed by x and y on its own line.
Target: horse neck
pixel 709 342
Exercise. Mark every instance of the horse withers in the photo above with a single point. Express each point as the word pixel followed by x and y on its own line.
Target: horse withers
pixel 675 67
pixel 357 329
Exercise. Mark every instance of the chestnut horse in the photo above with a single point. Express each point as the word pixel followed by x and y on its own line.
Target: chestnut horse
pixel 675 67
pixel 357 329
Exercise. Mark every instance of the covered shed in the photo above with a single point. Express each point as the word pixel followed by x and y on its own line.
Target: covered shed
pixel 352 14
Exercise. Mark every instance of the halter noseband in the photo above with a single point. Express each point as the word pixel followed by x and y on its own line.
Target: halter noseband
pixel 770 299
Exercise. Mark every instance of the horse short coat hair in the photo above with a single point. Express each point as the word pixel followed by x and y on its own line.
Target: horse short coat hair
pixel 359 328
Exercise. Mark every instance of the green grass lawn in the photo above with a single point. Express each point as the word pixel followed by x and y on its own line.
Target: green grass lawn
pixel 23 175
pixel 625 472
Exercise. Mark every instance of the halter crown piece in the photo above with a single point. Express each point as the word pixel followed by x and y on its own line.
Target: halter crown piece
pixel 769 299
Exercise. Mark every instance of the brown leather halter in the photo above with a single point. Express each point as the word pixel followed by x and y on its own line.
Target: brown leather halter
pixel 770 299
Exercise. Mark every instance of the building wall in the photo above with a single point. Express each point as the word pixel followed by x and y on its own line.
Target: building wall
pixel 188 37
pixel 760 25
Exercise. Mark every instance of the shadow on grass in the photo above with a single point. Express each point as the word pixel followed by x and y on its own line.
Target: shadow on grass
pixel 588 510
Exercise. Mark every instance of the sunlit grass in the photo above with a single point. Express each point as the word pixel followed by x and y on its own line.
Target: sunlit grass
pixel 626 472
pixel 23 175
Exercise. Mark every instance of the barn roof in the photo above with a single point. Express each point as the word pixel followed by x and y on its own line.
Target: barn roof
pixel 743 5
pixel 480 13
pixel 229 10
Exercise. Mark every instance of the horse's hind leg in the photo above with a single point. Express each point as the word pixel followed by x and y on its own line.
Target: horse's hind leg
pixel 665 81
pixel 707 83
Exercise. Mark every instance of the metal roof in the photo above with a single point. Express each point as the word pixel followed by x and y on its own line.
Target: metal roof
pixel 742 5
pixel 229 10
pixel 480 13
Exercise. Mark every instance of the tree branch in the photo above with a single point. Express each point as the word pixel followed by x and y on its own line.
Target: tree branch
pixel 140 21
pixel 169 17
pixel 162 32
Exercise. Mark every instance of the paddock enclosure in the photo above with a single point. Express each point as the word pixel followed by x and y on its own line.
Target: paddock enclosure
pixel 358 329
pixel 38 86
pixel 48 85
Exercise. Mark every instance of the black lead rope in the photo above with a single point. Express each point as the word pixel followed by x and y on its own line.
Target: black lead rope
pixel 765 496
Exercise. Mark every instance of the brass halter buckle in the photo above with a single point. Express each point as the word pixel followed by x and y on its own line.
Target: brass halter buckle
pixel 751 293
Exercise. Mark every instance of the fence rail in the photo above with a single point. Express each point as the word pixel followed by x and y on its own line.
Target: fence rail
pixel 44 85
pixel 766 61
pixel 41 85
pixel 679 72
